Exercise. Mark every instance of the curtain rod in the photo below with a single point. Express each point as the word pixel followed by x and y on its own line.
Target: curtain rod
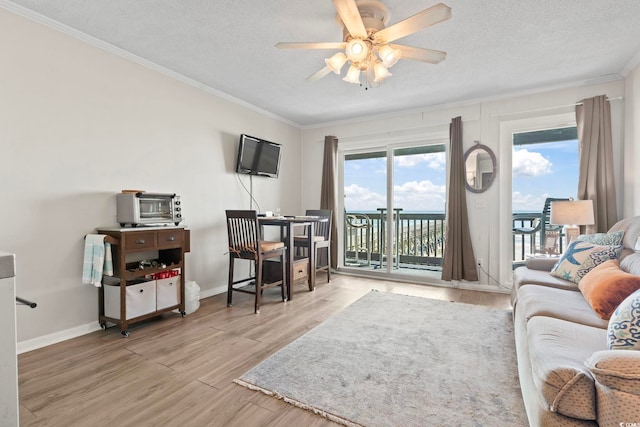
pixel 551 108
pixel 394 132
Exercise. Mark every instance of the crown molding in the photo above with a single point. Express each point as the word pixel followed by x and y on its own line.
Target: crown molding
pixel 86 38
pixel 631 65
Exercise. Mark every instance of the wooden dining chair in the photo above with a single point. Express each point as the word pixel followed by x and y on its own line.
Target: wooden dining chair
pixel 321 240
pixel 245 242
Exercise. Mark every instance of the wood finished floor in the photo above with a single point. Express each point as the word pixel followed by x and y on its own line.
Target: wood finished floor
pixel 177 371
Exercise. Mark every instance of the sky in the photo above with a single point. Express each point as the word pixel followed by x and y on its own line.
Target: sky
pixel 539 171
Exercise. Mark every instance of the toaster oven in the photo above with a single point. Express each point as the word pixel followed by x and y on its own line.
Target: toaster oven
pixel 148 209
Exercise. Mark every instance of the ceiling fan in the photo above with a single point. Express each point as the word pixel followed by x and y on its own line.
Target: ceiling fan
pixel 367 41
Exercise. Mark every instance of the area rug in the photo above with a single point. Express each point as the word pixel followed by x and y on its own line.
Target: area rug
pixel 397 360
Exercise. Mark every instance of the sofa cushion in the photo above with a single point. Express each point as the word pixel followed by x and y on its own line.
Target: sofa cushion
pixel 544 263
pixel 558 350
pixel 561 304
pixel 617 379
pixel 580 258
pixel 616 369
pixel 526 276
pixel 624 325
pixel 631 228
pixel 631 263
pixel 606 286
pixel 609 239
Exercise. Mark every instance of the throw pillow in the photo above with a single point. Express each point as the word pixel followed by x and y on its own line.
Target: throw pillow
pixel 624 325
pixel 606 286
pixel 580 257
pixel 608 239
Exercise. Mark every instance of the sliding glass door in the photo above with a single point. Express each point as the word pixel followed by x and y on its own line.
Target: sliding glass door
pixel 394 203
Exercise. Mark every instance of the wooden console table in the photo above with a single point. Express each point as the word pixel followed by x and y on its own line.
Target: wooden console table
pixel 133 297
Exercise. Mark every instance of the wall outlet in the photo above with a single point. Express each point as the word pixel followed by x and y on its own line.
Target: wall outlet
pixel 479 262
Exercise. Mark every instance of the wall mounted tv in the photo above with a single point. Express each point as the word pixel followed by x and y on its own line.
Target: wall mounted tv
pixel 258 157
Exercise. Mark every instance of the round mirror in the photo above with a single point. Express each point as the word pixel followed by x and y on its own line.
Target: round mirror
pixel 480 168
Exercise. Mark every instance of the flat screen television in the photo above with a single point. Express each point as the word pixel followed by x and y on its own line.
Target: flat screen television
pixel 258 157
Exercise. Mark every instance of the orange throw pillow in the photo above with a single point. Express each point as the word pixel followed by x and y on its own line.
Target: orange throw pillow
pixel 606 286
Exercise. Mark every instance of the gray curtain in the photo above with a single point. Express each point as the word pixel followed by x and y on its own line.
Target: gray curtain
pixel 459 262
pixel 328 193
pixel 595 178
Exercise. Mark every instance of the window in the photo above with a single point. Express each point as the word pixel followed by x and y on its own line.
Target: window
pixel 545 164
pixel 412 237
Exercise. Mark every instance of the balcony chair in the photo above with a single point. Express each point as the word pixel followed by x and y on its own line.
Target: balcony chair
pixel 539 225
pixel 321 240
pixel 547 228
pixel 245 242
pixel 359 223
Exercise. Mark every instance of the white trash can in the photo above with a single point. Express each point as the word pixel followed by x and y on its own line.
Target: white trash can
pixel 191 296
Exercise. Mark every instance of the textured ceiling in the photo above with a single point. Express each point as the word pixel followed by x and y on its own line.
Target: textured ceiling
pixel 495 48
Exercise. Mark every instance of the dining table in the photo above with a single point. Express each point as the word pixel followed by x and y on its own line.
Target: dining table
pixel 288 226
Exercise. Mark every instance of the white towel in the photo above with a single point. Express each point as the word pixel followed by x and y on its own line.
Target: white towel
pixel 94 259
pixel 108 260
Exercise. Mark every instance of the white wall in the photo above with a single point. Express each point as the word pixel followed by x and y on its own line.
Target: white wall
pixel 482 121
pixel 79 124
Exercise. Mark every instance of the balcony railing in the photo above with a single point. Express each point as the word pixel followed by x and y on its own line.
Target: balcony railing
pixel 418 239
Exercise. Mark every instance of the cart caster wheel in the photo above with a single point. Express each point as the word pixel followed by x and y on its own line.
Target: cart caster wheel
pixel 103 326
pixel 125 334
pixel 183 313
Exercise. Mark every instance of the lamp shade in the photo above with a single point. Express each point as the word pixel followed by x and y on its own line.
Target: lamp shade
pixel 381 72
pixel 578 212
pixel 336 62
pixel 353 75
pixel 389 55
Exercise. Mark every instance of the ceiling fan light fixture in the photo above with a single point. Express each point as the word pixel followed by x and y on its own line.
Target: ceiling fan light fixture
pixel 336 62
pixel 357 50
pixel 380 72
pixel 389 55
pixel 368 44
pixel 353 75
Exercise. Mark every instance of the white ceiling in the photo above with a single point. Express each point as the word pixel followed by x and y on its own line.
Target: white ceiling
pixel 495 48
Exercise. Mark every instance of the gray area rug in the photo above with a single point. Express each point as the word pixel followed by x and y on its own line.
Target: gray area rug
pixel 397 360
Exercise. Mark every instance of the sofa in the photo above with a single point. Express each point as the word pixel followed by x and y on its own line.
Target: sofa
pixel 568 374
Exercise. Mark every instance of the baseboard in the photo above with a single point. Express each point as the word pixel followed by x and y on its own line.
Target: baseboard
pixel 56 337
pixel 215 291
pixel 67 334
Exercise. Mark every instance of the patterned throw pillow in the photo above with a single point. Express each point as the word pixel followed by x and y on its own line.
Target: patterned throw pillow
pixel 624 325
pixel 580 257
pixel 605 239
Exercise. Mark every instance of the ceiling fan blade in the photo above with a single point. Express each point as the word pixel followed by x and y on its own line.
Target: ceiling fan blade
pixel 417 22
pixel 304 45
pixel 350 15
pixel 318 74
pixel 420 54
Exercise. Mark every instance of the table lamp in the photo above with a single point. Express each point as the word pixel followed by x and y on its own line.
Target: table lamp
pixel 571 214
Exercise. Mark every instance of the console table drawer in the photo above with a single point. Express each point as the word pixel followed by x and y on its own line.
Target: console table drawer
pixel 272 270
pixel 300 269
pixel 140 241
pixel 170 239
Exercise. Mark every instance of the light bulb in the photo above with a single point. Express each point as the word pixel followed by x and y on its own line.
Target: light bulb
pixel 353 75
pixel 357 50
pixel 336 62
pixel 389 55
